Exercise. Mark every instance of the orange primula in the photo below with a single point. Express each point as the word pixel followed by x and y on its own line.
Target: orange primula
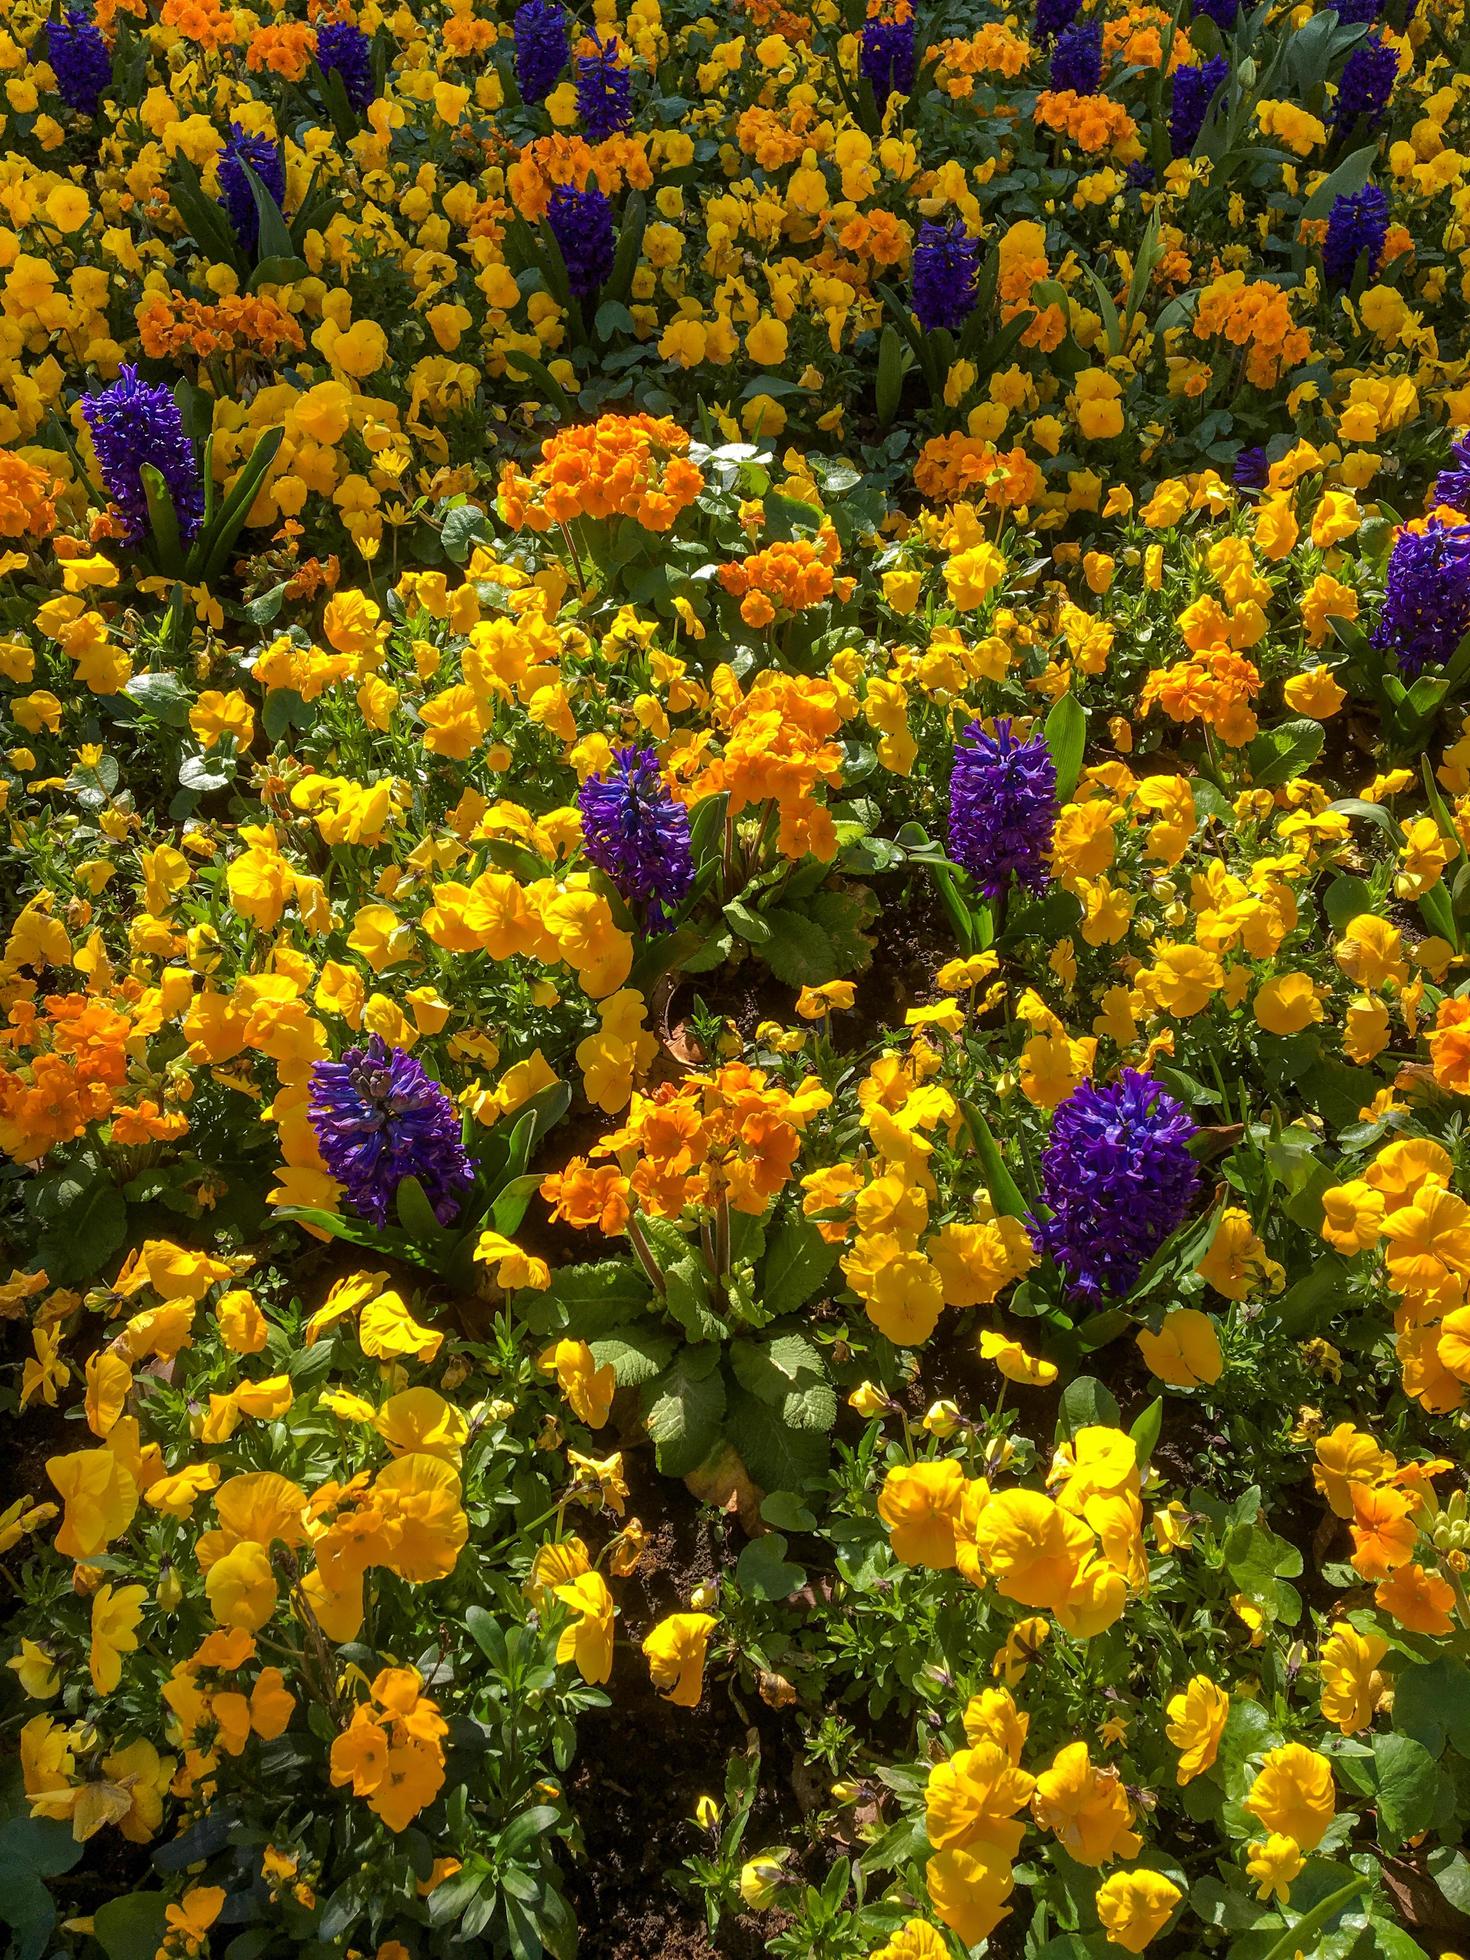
pixel 779 746
pixel 618 466
pixel 785 578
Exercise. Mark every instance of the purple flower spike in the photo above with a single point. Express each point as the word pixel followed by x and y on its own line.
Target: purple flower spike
pixel 946 269
pixel 582 224
pixel 79 60
pixel 379 1118
pixel 638 834
pixel 1426 607
pixel 1117 1178
pixel 133 424
pixel 1002 808
pixel 540 28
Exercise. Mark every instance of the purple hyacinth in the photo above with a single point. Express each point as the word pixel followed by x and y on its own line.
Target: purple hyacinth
pixel 1077 59
pixel 540 28
pixel 1453 486
pixel 379 1118
pixel 1224 13
pixel 1251 469
pixel 1002 808
pixel 1356 13
pixel 638 834
pixel 79 60
pixel 887 57
pixel 133 424
pixel 945 271
pixel 1368 76
pixel 1195 85
pixel 582 224
pixel 604 92
pixel 1357 225
pixel 1116 1179
pixel 1426 606
pixel 1052 16
pixel 266 160
pixel 342 49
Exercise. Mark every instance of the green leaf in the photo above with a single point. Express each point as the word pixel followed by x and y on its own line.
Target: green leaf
pixel 798 1261
pixel 763 1571
pixel 1085 1404
pixel 636 1354
pixel 274 240
pixel 1407 1788
pixel 130 1927
pixel 777 1456
pixel 1005 1193
pixel 1431 1703
pixel 1287 750
pixel 889 384
pixel 528 366
pixel 588 1302
pixel 1066 737
pixel 682 1410
pixel 78 1244
pixel 789 1376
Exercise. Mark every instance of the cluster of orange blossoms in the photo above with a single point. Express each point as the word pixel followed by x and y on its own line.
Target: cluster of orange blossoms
pixel 785 578
pixel 169 324
pixel 619 466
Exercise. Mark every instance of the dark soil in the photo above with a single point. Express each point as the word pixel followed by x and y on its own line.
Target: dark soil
pixel 642 1764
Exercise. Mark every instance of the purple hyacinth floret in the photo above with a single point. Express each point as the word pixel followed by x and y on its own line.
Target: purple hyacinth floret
pixel 344 50
pixel 1453 486
pixel 1356 13
pixel 1052 16
pixel 1251 469
pixel 1195 86
pixel 1002 808
pixel 604 92
pixel 1426 606
pixel 265 159
pixel 1116 1179
pixel 636 832
pixel 945 271
pixel 79 60
pixel 1356 225
pixel 1368 76
pixel 133 424
pixel 887 57
pixel 1077 59
pixel 540 28
pixel 379 1118
pixel 1224 13
pixel 582 224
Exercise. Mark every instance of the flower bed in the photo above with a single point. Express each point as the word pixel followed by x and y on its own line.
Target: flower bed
pixel 735 1012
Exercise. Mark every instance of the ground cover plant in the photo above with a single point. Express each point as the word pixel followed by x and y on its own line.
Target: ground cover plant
pixel 735 979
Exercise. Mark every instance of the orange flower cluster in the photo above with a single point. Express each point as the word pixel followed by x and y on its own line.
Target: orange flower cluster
pixel 785 578
pixel 1217 688
pixel 204 22
pixel 728 1137
pixel 553 160
pixel 1094 122
pixel 994 50
pixel 1138 36
pixel 69 1081
pixel 779 746
pixel 283 49
pixel 618 466
pixel 27 509
pixel 951 469
pixel 1255 315
pixel 875 238
pixel 169 324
